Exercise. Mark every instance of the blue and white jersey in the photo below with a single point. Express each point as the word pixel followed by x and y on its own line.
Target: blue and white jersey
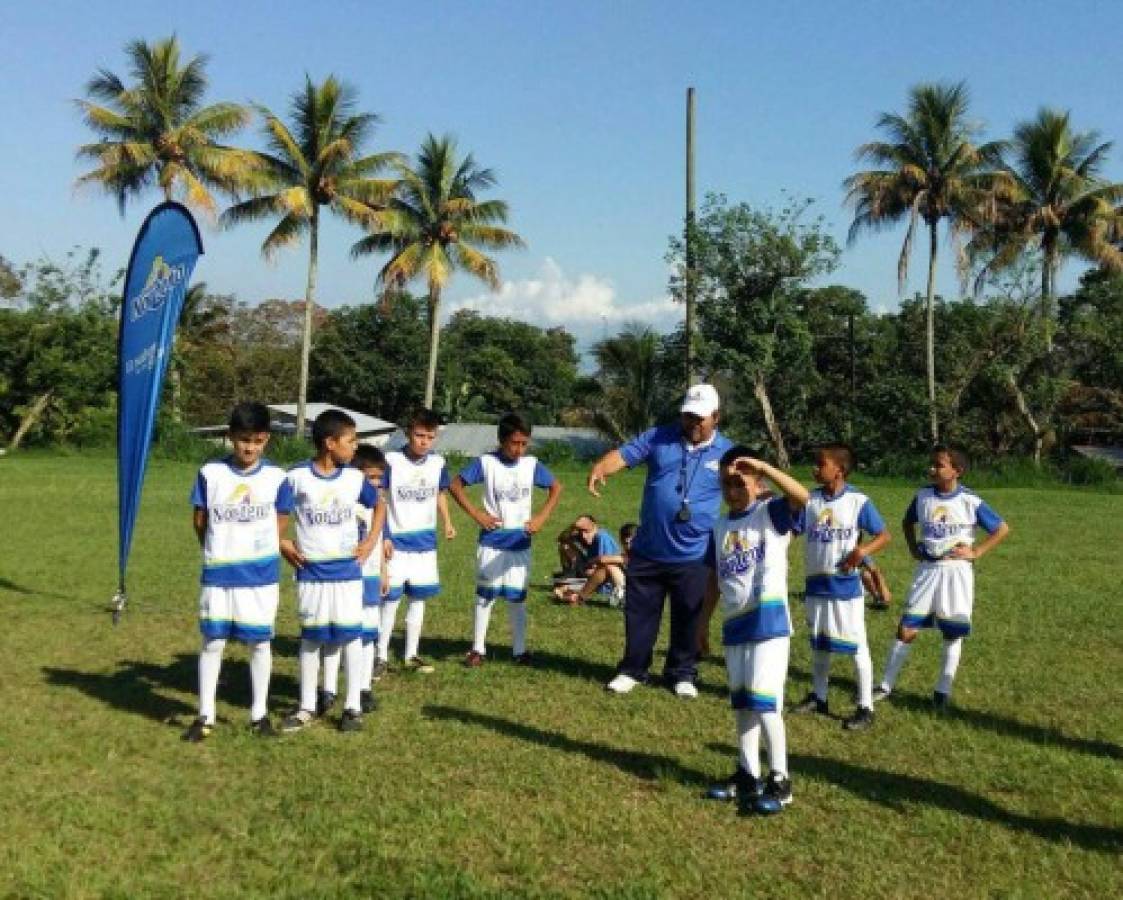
pixel 364 515
pixel 749 553
pixel 508 494
pixel 411 487
pixel 948 520
pixel 327 530
pixel 241 547
pixel 833 526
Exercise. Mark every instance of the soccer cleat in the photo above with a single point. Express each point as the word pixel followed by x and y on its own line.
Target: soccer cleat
pixel 198 731
pixel 378 670
pixel 740 783
pixel 860 721
pixel 263 728
pixel 621 684
pixel 616 599
pixel 352 720
pixel 880 693
pixel 368 703
pixel 811 704
pixel 474 660
pixel 419 665
pixel 296 720
pixel 325 700
pixel 776 795
pixel 940 701
pixel 523 659
pixel 685 690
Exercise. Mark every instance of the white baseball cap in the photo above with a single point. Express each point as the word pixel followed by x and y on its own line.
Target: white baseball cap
pixel 701 400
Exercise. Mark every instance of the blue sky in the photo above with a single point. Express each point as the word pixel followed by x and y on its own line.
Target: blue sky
pixel 579 107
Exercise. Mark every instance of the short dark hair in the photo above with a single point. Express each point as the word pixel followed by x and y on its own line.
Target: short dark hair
pixel 249 417
pixel 424 418
pixel 627 531
pixel 842 455
pixel 331 423
pixel 734 453
pixel 368 456
pixel 956 456
pixel 513 423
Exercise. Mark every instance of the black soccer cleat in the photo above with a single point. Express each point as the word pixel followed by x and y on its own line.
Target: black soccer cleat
pixel 811 704
pixel 263 728
pixel 351 721
pixel 325 700
pixel 739 784
pixel 860 721
pixel 776 795
pixel 368 703
pixel 198 731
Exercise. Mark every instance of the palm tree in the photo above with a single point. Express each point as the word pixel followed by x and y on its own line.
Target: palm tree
pixel 929 171
pixel 1057 200
pixel 155 130
pixel 315 164
pixel 435 224
pixel 629 365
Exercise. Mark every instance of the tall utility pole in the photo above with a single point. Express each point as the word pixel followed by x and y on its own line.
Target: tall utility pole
pixel 689 237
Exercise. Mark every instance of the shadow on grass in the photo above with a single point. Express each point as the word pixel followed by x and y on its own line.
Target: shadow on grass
pixel 648 766
pixel 898 791
pixel 1039 735
pixel 136 687
pixel 6 584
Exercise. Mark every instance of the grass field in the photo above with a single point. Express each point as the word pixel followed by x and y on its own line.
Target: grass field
pixel 503 781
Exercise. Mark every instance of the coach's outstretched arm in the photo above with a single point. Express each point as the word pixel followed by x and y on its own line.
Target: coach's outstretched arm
pixel 609 464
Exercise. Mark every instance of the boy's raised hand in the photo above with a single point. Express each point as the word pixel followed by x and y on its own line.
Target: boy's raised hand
pixel 289 551
pixel 747 465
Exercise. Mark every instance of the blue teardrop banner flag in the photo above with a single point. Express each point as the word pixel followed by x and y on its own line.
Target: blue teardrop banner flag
pixel 156 280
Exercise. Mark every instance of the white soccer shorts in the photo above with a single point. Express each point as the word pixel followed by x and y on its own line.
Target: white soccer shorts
pixel 330 611
pixel 414 574
pixel 502 574
pixel 757 671
pixel 835 625
pixel 242 613
pixel 942 595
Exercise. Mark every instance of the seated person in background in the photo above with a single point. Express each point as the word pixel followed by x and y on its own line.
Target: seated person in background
pixel 602 561
pixel 873 580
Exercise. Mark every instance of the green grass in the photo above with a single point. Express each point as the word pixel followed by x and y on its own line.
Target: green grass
pixel 503 781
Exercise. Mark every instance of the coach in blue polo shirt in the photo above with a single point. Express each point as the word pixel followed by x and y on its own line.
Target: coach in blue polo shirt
pixel 681 500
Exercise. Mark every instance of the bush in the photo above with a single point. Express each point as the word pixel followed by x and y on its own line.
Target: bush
pixel 555 453
pixel 1089 472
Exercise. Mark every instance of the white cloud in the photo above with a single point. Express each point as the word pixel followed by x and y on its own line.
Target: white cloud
pixel 581 304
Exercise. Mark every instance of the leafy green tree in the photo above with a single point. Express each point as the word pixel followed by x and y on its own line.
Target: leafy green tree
pixel 155 130
pixel 1056 201
pixel 630 374
pixel 492 365
pixel 367 358
pixel 749 267
pixel 436 224
pixel 929 170
pixel 314 164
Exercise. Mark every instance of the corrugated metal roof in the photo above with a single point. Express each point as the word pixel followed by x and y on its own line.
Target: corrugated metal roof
pixel 468 439
pixel 1112 455
pixel 364 423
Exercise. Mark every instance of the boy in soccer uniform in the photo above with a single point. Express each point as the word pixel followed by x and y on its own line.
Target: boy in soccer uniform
pixel 834 522
pixel 748 553
pixel 241 507
pixel 509 476
pixel 370 461
pixel 942 593
pixel 415 486
pixel 328 558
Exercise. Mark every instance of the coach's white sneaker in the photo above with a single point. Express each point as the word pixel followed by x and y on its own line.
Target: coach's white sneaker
pixel 621 684
pixel 685 690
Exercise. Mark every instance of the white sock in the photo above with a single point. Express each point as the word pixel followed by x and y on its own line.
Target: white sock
pixel 261 666
pixel 820 673
pixel 949 662
pixel 516 615
pixel 210 663
pixel 386 626
pixel 366 678
pixel 353 662
pixel 863 667
pixel 897 657
pixel 309 673
pixel 415 616
pixel 481 616
pixel 748 740
pixel 776 738
pixel 330 655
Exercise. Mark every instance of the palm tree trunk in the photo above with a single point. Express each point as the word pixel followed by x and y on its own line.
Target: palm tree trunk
pixel 930 334
pixel 434 341
pixel 1048 266
pixel 306 340
pixel 760 391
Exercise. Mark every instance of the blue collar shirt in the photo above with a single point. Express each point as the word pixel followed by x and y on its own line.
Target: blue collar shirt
pixel 676 471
